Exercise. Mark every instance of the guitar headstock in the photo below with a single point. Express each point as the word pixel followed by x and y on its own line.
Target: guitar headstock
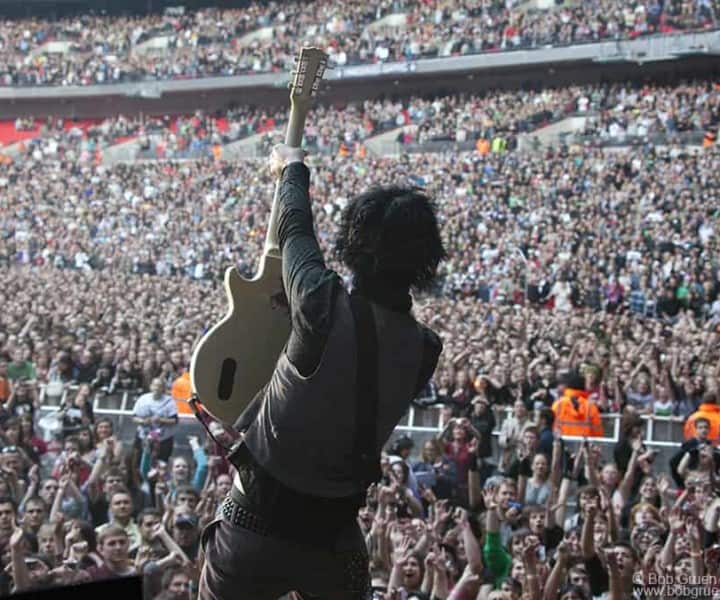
pixel 310 67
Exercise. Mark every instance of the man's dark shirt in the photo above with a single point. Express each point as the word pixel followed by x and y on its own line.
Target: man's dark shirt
pixel 85 373
pixel 312 289
pixel 546 442
pixel 668 307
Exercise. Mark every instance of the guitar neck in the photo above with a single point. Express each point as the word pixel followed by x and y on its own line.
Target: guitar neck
pixel 293 138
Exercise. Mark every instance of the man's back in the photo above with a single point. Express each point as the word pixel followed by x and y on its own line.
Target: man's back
pixel 305 429
pixel 301 429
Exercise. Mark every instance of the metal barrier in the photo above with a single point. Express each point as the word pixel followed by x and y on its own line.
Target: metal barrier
pixel 678 138
pixel 420 422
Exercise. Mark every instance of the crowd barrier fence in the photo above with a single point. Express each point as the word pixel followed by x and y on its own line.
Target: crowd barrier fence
pixel 662 433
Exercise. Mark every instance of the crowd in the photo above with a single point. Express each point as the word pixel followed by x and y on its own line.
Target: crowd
pixel 170 137
pixel 626 114
pixel 263 37
pixel 578 280
pixel 616 113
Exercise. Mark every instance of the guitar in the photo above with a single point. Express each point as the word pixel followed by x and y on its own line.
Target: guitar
pixel 236 357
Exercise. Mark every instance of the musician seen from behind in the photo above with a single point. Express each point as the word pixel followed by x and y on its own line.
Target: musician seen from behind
pixel 313 435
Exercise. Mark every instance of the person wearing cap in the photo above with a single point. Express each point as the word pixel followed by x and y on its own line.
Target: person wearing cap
pixel 186 534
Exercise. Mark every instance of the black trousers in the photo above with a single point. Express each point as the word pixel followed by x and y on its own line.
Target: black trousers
pixel 243 565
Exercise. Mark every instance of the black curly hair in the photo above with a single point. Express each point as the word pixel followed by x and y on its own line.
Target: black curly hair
pixel 391 235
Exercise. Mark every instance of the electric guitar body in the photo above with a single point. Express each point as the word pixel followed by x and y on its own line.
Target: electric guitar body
pixel 236 357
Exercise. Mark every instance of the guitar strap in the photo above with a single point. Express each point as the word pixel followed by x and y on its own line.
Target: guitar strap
pixel 366 461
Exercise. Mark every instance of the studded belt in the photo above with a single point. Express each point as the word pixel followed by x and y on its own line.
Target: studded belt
pixel 241 517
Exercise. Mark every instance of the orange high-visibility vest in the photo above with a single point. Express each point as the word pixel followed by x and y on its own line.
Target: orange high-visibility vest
pixel 181 391
pixel 711 412
pixel 583 421
pixel 482 146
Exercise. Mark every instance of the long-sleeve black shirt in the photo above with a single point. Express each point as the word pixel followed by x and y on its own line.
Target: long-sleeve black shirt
pixel 311 287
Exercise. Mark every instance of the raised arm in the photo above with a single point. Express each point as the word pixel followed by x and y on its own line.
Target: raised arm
pixel 694 531
pixel 428 581
pixel 467 587
pixel 532 582
pixel 474 487
pixel 32 487
pixel 561 505
pixel 472 547
pixel 170 544
pixel 628 480
pixel 592 460
pixel 607 507
pixel 21 575
pixel 401 555
pixel 494 555
pixel 556 466
pixel 587 540
pixel 92 485
pixel 616 583
pixel 711 516
pixel 56 509
pixel 667 555
pixel 201 462
pixel 443 434
pixel 303 263
pixel 684 466
pixel 440 589
pixel 557 575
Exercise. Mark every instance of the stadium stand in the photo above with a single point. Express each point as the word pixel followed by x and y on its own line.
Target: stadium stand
pixel 261 38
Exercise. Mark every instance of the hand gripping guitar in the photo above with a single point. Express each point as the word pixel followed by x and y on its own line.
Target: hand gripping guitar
pixel 236 358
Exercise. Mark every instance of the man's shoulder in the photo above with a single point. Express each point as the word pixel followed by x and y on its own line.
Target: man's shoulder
pixel 168 403
pixel 144 398
pixel 432 340
pixel 141 403
pixel 314 309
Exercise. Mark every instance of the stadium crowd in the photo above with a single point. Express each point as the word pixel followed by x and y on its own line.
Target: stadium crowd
pixel 616 113
pixel 574 269
pixel 580 282
pixel 262 37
